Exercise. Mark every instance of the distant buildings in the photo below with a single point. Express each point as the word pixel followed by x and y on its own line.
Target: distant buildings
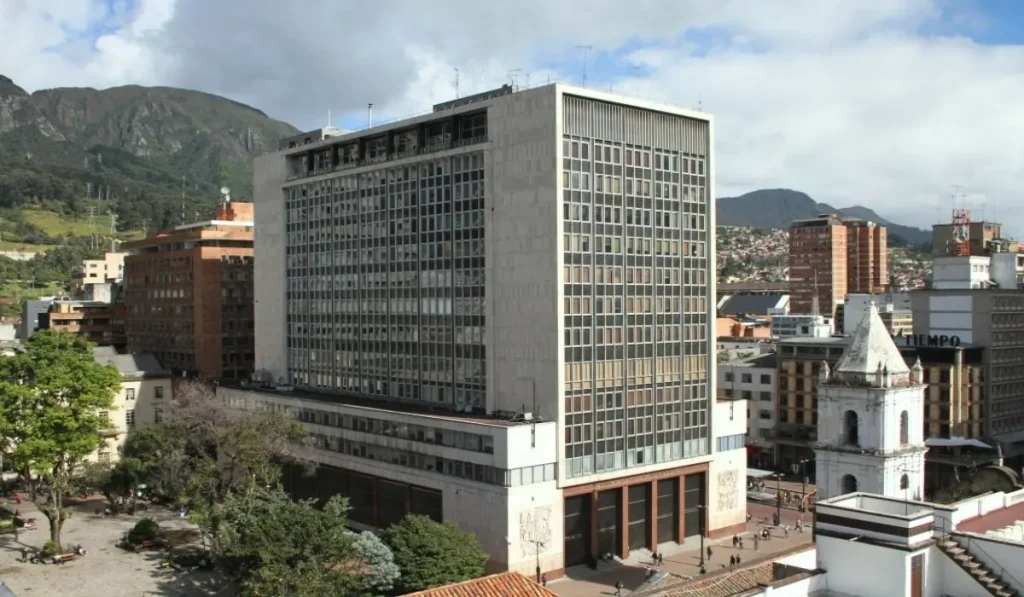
pixel 831 257
pixel 30 312
pixel 100 322
pixel 189 295
pixel 109 270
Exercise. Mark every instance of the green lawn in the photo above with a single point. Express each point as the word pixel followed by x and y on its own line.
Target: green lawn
pixel 53 224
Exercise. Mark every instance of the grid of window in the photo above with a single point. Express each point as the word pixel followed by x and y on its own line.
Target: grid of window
pixel 730 442
pixel 385 282
pixel 635 296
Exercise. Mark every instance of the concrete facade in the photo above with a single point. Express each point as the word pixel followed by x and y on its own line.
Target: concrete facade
pixel 144 397
pixel 563 259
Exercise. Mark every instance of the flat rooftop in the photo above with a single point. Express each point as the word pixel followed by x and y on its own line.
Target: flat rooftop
pixel 994 520
pixel 498 419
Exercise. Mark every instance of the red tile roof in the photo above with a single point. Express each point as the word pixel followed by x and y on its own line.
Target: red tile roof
pixel 506 584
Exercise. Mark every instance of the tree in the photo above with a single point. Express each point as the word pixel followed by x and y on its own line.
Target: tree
pixel 273 545
pixel 432 554
pixel 51 396
pixel 379 569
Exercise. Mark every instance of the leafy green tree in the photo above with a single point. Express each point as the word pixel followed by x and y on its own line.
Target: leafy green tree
pixel 432 554
pixel 273 545
pixel 379 569
pixel 51 396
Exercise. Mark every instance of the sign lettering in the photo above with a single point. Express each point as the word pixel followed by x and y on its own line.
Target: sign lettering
pixel 928 340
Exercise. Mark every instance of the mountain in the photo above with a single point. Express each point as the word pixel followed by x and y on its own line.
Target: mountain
pixel 58 146
pixel 777 208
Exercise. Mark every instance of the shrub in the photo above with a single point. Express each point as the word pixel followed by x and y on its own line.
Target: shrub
pixel 50 549
pixel 145 530
pixel 431 554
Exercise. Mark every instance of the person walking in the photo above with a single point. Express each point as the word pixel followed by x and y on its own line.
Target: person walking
pixel 757 542
pixel 738 560
pixel 709 553
pixel 732 562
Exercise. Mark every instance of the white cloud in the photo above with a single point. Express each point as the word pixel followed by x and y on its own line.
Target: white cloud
pixel 843 100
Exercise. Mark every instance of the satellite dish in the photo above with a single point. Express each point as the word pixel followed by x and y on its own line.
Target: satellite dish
pixel 225 191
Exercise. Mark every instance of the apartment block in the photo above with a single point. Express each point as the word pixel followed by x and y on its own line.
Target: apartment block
pixel 980 236
pixel 831 257
pixel 504 312
pixel 109 270
pixel 753 380
pixel 189 295
pixel 99 322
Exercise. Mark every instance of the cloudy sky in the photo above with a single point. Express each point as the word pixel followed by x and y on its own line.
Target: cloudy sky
pixel 892 104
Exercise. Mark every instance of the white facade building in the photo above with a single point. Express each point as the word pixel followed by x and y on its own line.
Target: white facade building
pixel 870 418
pixel 960 272
pixel 753 380
pixel 799 325
pixel 521 266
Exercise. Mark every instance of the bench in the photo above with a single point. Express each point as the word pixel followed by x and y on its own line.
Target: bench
pixel 63 558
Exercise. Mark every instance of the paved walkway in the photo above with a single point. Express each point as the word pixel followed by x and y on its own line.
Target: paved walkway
pixel 684 562
pixel 106 571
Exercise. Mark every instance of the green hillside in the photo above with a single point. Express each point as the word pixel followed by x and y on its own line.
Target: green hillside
pixel 126 150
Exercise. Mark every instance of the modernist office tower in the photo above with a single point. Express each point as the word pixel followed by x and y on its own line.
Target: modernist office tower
pixel 501 313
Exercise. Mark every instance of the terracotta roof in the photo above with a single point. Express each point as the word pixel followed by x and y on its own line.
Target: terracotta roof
pixel 727 583
pixel 506 584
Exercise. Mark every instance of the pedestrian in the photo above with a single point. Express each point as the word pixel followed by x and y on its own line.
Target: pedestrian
pixel 544 580
pixel 738 560
pixel 757 541
pixel 703 570
pixel 732 561
pixel 741 542
pixel 785 531
pixel 649 574
pixel 709 553
pixel 661 559
pixel 618 588
pixel 799 526
pixel 735 541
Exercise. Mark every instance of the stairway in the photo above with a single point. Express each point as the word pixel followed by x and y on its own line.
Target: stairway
pixel 987 578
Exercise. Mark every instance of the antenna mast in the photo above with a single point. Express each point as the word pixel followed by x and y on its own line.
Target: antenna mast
pixel 586 53
pixel 456 83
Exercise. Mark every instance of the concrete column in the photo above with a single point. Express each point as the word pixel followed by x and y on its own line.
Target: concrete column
pixel 681 500
pixel 593 526
pixel 624 521
pixel 653 516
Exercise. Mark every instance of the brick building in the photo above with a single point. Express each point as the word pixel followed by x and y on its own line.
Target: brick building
pixel 832 257
pixel 189 295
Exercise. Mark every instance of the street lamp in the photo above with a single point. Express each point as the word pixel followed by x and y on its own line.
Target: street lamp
pixel 801 469
pixel 701 508
pixel 778 498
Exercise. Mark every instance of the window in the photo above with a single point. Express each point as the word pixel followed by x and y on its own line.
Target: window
pixel 104 416
pixel 129 418
pixel 764 415
pixel 746 378
pixel 129 394
pixel 730 442
pixel 104 457
pixel 851 431
pixel 766 396
pixel 728 377
pixel 766 379
pixel 158 415
pixel 904 428
pixel 158 392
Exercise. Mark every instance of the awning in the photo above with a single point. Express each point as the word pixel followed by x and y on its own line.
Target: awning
pixel 758 473
pixel 955 442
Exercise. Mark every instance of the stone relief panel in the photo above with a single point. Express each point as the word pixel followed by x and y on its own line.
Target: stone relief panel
pixel 534 530
pixel 728 490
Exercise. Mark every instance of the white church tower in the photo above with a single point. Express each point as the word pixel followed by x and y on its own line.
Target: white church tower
pixel 870 419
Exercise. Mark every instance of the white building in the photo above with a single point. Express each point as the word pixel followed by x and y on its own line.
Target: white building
pixel 875 546
pixel 520 280
pixel 889 305
pixel 800 325
pixel 144 397
pixel 870 418
pixel 960 272
pixel 753 380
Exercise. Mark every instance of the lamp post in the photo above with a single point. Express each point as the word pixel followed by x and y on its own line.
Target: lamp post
pixel 801 468
pixel 778 497
pixel 701 509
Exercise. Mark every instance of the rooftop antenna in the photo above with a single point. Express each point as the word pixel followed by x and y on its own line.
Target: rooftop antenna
pixel 456 83
pixel 700 102
pixel 91 210
pixel 586 53
pixel 513 75
pixel 225 194
pixel 369 115
pixel 328 117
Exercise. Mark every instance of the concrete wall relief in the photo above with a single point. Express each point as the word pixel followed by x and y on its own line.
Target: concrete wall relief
pixel 728 490
pixel 534 530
